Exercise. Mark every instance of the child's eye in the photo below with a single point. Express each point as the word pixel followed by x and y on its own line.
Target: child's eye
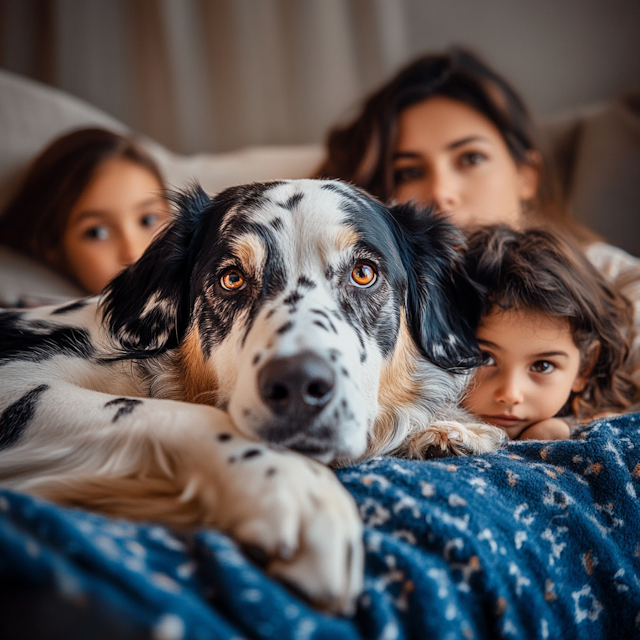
pixel 543 366
pixel 150 220
pixel 96 233
pixel 487 360
pixel 407 174
pixel 472 158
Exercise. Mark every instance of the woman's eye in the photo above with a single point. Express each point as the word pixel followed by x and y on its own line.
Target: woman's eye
pixel 363 274
pixel 407 174
pixel 232 280
pixel 96 233
pixel 472 158
pixel 542 366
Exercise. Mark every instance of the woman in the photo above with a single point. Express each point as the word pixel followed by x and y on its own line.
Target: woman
pixel 449 131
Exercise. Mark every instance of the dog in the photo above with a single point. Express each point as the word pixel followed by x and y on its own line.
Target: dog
pixel 266 333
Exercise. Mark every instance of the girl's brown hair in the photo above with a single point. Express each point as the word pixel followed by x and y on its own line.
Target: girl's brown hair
pixel 543 271
pixel 35 219
pixel 362 152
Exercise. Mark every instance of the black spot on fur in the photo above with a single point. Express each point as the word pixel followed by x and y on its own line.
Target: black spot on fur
pixel 319 324
pixel 344 372
pixel 292 202
pixel 326 317
pixel 224 437
pixel 306 283
pixel 285 328
pixel 277 224
pixel 270 313
pixel 68 308
pixel 17 416
pixel 292 300
pixel 363 357
pixel 125 406
pixel 256 359
pixel 251 453
pixel 271 471
pixel 232 460
pixel 329 272
pixel 38 340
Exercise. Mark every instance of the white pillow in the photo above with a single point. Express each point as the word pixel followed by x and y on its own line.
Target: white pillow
pixel 33 114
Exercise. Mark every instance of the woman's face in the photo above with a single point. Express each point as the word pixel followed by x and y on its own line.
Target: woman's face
pixel 112 223
pixel 451 155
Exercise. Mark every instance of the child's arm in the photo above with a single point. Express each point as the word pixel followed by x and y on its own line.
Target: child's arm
pixel 549 429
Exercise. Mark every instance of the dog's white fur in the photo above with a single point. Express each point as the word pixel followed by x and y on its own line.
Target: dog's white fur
pixel 182 433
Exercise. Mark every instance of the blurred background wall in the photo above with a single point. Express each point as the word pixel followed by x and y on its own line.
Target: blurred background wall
pixel 215 75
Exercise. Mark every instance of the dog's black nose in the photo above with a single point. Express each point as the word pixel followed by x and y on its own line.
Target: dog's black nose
pixel 298 386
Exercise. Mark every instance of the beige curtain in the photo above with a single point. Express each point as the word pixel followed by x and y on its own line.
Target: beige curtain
pixel 210 75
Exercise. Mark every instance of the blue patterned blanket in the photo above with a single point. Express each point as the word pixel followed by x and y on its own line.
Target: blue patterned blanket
pixel 539 540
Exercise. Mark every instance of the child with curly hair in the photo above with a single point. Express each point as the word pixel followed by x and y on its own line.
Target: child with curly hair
pixel 554 334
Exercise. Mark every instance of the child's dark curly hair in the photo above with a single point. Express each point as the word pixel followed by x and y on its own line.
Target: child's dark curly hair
pixel 541 270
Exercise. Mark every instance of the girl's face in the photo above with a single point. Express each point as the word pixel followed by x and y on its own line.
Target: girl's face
pixel 112 223
pixel 451 155
pixel 532 366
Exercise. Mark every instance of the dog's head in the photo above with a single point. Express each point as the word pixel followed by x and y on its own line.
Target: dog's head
pixel 304 308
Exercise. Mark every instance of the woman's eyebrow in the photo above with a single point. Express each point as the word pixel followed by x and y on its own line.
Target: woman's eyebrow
pixel 450 147
pixel 467 140
pixel 405 154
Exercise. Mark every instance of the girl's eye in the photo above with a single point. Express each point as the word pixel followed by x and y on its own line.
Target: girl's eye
pixel 407 174
pixel 542 366
pixel 363 275
pixel 487 360
pixel 232 280
pixel 472 158
pixel 150 220
pixel 96 233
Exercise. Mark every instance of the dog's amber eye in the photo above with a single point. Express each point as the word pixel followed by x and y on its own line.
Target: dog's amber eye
pixel 232 280
pixel 363 274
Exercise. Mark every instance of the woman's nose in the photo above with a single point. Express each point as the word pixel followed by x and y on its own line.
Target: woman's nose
pixel 444 190
pixel 509 390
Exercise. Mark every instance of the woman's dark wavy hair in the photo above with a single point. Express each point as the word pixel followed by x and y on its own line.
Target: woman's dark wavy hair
pixel 362 151
pixel 541 270
pixel 35 219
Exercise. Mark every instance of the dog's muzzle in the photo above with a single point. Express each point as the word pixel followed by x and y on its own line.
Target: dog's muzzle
pixel 297 387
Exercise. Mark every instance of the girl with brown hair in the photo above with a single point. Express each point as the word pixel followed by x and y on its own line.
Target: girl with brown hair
pixel 89 206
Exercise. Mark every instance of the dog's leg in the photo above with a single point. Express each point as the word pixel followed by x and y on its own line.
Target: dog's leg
pixel 185 464
pixel 455 433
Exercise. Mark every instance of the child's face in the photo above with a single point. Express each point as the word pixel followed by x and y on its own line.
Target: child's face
pixel 531 368
pixel 453 156
pixel 113 222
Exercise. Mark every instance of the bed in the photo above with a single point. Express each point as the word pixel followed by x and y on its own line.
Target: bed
pixel 538 540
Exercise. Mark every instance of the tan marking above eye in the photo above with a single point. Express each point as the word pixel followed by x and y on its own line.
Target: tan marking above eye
pixel 232 280
pixel 363 274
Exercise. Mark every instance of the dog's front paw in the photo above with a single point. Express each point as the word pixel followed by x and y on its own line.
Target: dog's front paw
pixel 296 512
pixel 451 438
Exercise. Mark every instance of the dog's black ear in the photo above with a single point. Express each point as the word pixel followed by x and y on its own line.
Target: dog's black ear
pixel 147 307
pixel 443 304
